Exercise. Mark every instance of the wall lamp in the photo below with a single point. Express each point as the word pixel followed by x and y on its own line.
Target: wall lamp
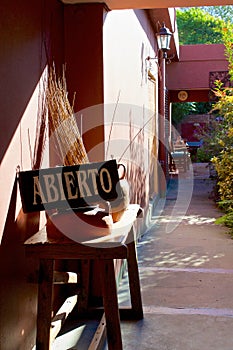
pixel 163 41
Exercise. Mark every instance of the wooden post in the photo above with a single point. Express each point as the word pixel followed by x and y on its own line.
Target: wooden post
pixel 44 308
pixel 134 282
pixel 85 282
pixel 111 305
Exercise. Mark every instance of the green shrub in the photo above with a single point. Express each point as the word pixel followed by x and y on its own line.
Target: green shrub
pixel 223 160
pixel 224 167
pixel 203 156
pixel 226 220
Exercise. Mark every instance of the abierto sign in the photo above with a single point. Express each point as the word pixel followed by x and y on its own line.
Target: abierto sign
pixel 69 186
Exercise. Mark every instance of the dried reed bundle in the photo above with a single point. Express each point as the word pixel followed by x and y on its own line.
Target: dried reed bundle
pixel 41 128
pixel 63 128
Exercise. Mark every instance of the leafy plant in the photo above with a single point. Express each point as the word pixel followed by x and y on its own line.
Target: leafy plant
pixel 197 26
pixel 228 42
pixel 223 12
pixel 226 220
pixel 224 160
pixel 203 25
pixel 203 156
pixel 218 140
pixel 212 138
pixel 180 110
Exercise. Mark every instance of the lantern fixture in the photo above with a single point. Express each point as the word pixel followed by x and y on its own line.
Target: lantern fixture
pixel 163 40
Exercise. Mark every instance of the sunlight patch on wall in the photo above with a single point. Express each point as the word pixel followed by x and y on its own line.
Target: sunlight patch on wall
pixel 19 154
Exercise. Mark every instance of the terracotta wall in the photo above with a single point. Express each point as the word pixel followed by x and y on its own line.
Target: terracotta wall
pixel 196 61
pixel 31 34
pixel 105 61
pixel 111 71
pixel 83 29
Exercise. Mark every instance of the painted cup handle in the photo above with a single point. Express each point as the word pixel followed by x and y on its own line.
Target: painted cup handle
pixel 121 171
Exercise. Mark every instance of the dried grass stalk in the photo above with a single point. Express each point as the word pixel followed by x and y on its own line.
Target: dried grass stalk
pixel 62 124
pixel 41 128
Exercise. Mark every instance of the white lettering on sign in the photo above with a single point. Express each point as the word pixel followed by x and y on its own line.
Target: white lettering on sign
pixel 48 188
pixel 102 172
pixel 83 187
pixel 93 173
pixel 51 190
pixel 69 178
pixel 61 189
pixel 37 190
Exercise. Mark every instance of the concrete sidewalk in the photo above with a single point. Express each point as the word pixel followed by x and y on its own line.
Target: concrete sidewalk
pixel 186 271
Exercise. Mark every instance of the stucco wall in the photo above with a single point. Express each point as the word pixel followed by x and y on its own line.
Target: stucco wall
pixel 33 34
pixel 128 40
pixel 130 98
pixel 83 33
pixel 30 31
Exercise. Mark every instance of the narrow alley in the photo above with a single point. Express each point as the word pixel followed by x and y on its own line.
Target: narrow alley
pixel 186 276
pixel 186 272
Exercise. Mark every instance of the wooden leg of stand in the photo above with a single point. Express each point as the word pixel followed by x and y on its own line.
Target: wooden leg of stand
pixel 85 282
pixel 45 290
pixel 134 281
pixel 110 304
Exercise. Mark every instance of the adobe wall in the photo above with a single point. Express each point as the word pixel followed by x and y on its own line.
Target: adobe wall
pixel 191 73
pixel 131 100
pixel 31 34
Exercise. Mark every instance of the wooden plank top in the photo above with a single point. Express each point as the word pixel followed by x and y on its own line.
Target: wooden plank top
pixel 39 244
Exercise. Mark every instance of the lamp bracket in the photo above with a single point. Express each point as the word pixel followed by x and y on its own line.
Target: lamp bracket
pixel 151 58
pixel 167 58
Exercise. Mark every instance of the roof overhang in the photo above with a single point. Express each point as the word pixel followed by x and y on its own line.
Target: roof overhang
pixel 152 4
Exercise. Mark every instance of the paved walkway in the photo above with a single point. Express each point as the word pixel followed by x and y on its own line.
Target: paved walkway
pixel 186 271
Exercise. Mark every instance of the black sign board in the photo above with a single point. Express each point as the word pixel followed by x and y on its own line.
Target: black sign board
pixel 69 186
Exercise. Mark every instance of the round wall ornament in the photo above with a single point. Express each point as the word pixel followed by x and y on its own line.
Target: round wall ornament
pixel 182 95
